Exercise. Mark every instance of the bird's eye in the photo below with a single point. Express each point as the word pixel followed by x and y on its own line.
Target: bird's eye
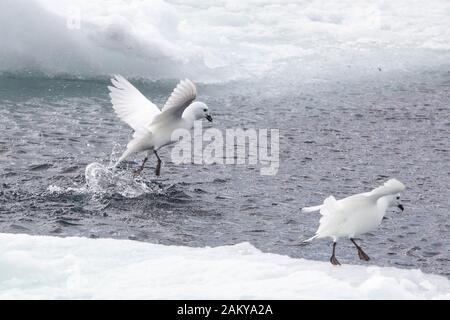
pixel 398 198
pixel 205 110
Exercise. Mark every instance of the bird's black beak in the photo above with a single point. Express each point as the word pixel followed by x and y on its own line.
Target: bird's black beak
pixel 208 117
pixel 400 206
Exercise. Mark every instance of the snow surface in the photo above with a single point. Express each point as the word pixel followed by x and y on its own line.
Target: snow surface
pixel 212 40
pixel 42 267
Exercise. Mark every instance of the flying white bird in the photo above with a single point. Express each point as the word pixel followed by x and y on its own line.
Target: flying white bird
pixel 355 215
pixel 153 127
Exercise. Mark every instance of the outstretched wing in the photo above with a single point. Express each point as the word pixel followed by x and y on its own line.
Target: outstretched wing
pixel 182 96
pixel 130 104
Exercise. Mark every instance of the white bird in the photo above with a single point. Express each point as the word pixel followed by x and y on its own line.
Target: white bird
pixel 355 215
pixel 153 127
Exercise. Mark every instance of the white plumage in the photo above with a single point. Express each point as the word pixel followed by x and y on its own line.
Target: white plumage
pixel 153 128
pixel 130 104
pixel 357 214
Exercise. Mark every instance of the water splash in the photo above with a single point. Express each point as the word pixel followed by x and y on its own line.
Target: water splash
pixel 101 179
pixel 98 178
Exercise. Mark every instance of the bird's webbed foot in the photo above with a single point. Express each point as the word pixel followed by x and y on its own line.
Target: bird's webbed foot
pixel 137 172
pixel 362 255
pixel 334 261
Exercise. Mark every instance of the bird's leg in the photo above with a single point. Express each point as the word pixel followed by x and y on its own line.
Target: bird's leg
pixel 333 259
pixel 138 171
pixel 158 165
pixel 361 254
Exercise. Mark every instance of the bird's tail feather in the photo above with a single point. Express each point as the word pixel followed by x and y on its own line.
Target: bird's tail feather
pixel 125 155
pixel 311 209
pixel 310 239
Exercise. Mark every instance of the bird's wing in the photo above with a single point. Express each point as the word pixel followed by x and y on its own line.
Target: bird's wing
pixel 332 216
pixel 392 186
pixel 330 206
pixel 130 104
pixel 182 96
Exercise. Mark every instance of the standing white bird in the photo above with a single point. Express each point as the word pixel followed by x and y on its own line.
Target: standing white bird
pixel 355 215
pixel 153 127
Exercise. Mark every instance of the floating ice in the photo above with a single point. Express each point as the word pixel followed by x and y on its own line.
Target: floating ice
pixel 216 40
pixel 35 267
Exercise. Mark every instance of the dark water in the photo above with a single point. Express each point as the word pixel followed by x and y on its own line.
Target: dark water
pixel 337 137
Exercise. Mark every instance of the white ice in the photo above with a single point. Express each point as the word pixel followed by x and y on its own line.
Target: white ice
pixel 214 40
pixel 33 267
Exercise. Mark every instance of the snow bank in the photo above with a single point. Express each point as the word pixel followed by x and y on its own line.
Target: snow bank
pixel 214 40
pixel 34 267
